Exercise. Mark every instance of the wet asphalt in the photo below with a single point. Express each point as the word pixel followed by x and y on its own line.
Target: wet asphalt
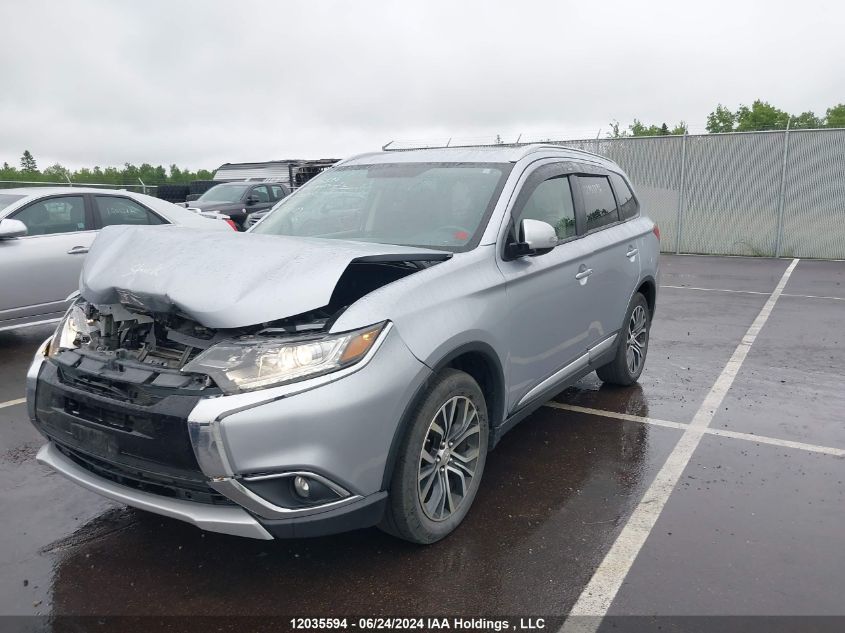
pixel 750 529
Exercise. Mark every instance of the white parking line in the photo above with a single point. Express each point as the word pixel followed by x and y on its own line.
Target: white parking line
pixel 597 596
pixel 748 437
pixel 11 403
pixel 741 292
pixel 754 292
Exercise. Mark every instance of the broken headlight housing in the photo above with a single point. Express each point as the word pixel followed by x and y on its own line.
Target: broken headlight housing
pixel 72 329
pixel 247 364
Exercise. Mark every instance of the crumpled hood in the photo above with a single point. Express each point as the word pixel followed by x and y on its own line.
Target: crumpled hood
pixel 222 280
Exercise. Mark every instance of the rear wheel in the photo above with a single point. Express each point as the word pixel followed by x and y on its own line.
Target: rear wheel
pixel 441 461
pixel 627 365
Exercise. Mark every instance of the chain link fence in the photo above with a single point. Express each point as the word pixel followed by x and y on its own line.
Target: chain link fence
pixel 773 194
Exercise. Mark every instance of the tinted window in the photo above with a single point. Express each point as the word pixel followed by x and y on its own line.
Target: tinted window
pixel 551 202
pixel 54 215
pixel 262 194
pixel 278 192
pixel 599 204
pixel 224 193
pixel 627 205
pixel 112 210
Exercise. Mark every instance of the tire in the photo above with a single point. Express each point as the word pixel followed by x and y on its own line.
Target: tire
pixel 619 371
pixel 414 511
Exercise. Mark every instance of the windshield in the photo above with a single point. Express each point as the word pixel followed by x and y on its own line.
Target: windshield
pixel 434 205
pixel 8 198
pixel 224 193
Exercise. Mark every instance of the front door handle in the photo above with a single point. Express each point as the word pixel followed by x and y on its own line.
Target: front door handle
pixel 78 250
pixel 583 274
pixel 632 251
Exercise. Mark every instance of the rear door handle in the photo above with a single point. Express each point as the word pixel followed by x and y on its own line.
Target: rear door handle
pixel 584 274
pixel 78 250
pixel 632 252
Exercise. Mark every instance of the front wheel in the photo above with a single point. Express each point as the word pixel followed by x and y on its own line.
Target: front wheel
pixel 627 365
pixel 440 462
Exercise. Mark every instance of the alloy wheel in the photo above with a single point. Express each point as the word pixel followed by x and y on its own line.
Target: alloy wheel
pixel 449 458
pixel 635 348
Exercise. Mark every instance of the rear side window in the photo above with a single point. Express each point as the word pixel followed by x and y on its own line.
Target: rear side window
pixel 551 202
pixel 278 192
pixel 54 215
pixel 113 210
pixel 628 207
pixel 599 203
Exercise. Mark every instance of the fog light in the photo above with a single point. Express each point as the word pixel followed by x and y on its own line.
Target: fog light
pixel 302 487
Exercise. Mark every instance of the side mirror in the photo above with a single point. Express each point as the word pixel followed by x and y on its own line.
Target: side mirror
pixel 251 200
pixel 537 238
pixel 10 228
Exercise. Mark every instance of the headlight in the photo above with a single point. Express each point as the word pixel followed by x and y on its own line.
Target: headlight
pixel 244 365
pixel 72 329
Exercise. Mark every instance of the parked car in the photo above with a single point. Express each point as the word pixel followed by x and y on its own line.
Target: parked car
pixel 340 208
pixel 238 200
pixel 348 376
pixel 45 233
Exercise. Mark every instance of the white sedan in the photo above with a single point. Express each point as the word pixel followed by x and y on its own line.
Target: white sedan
pixel 46 231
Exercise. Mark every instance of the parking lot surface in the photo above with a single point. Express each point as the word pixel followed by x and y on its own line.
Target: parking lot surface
pixel 752 522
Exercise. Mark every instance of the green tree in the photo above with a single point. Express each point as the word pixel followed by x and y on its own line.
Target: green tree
pixel 28 164
pixel 835 116
pixel 760 116
pixel 56 173
pixel 721 120
pixel 805 121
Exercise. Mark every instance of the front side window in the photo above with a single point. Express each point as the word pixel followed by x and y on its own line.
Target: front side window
pixel 434 205
pixel 262 194
pixel 599 203
pixel 224 193
pixel 65 214
pixel 551 202
pixel 113 210
pixel 627 205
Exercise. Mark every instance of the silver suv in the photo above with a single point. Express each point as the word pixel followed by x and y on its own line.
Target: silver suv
pixel 347 364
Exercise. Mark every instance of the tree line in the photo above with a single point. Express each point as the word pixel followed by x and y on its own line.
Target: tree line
pixel 759 116
pixel 129 174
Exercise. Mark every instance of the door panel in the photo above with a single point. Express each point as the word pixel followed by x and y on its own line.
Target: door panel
pixel 40 270
pixel 614 256
pixel 614 278
pixel 548 328
pixel 39 273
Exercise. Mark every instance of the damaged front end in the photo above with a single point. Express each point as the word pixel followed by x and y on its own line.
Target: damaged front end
pixel 136 350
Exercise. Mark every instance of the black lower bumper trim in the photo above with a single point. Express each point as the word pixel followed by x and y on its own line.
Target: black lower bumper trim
pixel 364 513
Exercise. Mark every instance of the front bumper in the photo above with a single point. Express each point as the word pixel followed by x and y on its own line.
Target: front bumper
pixel 338 427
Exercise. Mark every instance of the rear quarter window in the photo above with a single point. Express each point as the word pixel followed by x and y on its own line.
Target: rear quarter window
pixel 599 203
pixel 628 207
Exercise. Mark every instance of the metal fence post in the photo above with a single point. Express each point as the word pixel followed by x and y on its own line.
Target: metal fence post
pixel 779 237
pixel 681 187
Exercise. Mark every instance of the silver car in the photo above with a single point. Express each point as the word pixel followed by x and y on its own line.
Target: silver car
pixel 45 233
pixel 342 366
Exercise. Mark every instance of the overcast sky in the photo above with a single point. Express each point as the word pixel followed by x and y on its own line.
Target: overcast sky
pixel 202 83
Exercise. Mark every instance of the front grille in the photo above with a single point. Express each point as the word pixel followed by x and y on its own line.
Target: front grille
pixel 184 489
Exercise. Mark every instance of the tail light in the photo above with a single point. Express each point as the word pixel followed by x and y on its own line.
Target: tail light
pixel 656 231
pixel 234 226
